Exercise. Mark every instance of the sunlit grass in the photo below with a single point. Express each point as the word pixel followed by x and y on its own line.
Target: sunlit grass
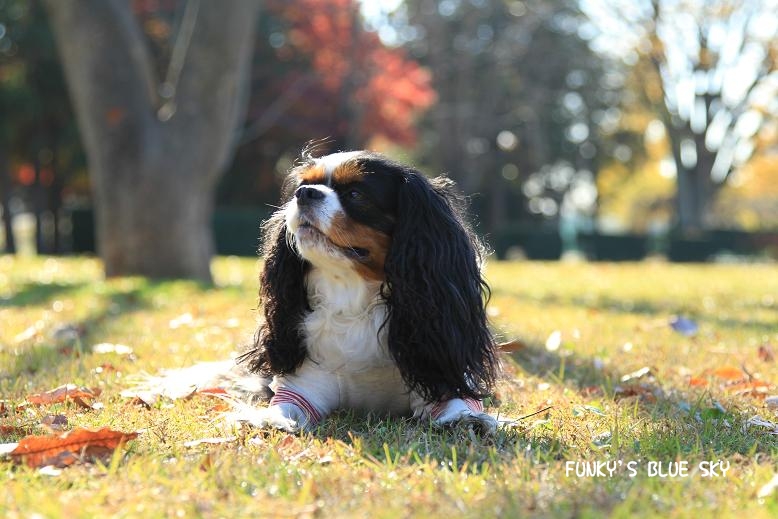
pixel 613 320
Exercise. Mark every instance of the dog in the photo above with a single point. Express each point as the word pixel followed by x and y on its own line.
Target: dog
pixel 373 298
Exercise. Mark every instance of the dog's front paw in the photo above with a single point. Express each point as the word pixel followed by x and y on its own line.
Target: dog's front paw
pixel 456 412
pixel 481 423
pixel 286 417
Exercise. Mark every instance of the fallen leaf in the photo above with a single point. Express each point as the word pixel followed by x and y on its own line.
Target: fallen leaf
pixel 643 391
pixel 729 373
pixel 638 374
pixel 684 326
pixel 50 470
pixel 55 422
pixel 766 353
pixel 212 391
pixel 79 395
pixel 757 421
pixel 62 450
pixel 14 430
pixel 768 488
pixel 591 391
pixel 182 320
pixel 511 346
pixel 210 441
pixel 751 387
pixel 554 341
pixel 107 347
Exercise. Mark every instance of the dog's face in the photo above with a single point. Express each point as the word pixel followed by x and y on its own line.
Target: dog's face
pixel 343 211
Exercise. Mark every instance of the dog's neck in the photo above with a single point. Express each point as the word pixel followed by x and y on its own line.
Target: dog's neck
pixel 341 291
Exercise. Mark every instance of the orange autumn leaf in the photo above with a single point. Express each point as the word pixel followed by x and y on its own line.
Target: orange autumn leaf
pixel 729 373
pixel 751 387
pixel 63 393
pixel 698 381
pixel 212 391
pixel 511 346
pixel 62 450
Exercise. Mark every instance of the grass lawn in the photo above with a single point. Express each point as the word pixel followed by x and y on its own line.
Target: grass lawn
pixel 585 332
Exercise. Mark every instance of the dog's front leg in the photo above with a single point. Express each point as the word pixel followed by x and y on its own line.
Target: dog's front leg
pixel 456 411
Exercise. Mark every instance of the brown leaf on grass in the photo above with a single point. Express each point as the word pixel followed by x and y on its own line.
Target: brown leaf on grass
pixel 756 388
pixel 62 450
pixel 55 422
pixel 766 353
pixel 13 430
pixel 211 441
pixel 80 395
pixel 643 391
pixel 591 391
pixel 729 373
pixel 511 346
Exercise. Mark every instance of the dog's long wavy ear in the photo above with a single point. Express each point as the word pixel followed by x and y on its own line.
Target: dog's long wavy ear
pixel 438 333
pixel 278 346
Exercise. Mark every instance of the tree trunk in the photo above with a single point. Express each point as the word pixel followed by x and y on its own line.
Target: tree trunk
pixel 5 192
pixel 154 162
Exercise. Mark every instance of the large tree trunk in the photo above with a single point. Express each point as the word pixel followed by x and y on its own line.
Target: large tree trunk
pixel 154 162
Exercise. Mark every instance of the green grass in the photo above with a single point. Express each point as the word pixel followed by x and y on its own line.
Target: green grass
pixel 613 320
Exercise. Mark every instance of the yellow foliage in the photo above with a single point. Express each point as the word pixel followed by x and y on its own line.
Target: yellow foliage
pixel 637 200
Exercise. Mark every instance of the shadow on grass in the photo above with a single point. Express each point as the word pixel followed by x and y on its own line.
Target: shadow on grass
pixel 66 343
pixel 649 309
pixel 677 422
pixel 32 294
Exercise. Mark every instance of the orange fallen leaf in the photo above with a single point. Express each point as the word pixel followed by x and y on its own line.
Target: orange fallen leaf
pixel 758 388
pixel 729 373
pixel 698 381
pixel 62 450
pixel 511 346
pixel 212 391
pixel 63 393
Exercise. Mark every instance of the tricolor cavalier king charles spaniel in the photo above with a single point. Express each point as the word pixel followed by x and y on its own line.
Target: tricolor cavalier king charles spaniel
pixel 373 298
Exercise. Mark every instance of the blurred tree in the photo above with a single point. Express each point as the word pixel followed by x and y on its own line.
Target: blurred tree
pixel 37 128
pixel 156 148
pixel 324 76
pixel 709 73
pixel 520 101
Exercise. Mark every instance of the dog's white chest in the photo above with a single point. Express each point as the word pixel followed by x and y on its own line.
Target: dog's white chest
pixel 343 332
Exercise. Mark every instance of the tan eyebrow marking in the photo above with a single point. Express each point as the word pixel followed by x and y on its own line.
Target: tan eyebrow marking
pixel 344 173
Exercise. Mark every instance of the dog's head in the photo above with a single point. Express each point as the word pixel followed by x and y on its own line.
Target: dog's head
pixel 364 213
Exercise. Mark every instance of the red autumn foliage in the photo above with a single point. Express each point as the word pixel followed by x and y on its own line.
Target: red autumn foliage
pixel 62 450
pixel 348 84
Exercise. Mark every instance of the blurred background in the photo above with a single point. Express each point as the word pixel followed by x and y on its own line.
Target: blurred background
pixel 598 129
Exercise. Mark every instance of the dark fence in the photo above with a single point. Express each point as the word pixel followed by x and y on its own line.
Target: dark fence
pixel 236 232
pixel 538 245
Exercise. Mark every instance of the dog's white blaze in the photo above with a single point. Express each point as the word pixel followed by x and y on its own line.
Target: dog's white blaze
pixel 331 162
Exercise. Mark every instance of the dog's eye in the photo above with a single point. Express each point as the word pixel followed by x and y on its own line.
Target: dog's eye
pixel 355 195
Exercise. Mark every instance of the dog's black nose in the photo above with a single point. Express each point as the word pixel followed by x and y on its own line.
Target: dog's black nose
pixel 306 194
